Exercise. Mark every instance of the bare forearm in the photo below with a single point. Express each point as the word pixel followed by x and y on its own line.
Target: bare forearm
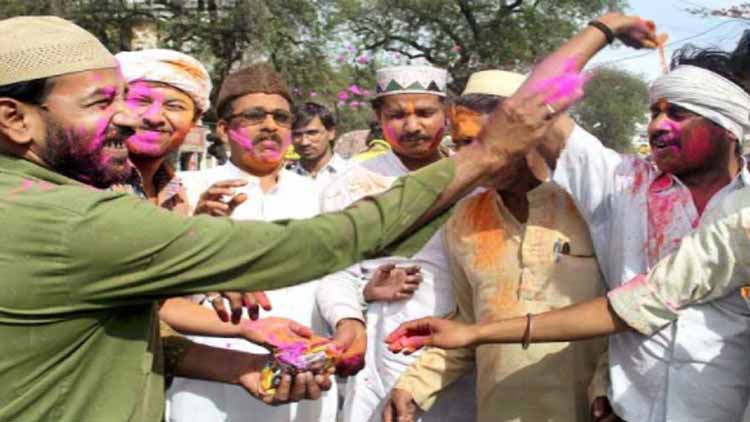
pixel 593 318
pixel 190 318
pixel 220 365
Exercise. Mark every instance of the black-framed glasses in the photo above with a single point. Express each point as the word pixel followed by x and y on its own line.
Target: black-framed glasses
pixel 256 116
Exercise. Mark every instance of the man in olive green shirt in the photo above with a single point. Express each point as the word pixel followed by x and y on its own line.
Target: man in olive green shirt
pixel 84 268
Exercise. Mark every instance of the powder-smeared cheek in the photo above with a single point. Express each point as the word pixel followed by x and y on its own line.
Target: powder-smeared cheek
pixel 100 135
pixel 438 138
pixel 241 139
pixel 698 144
pixel 145 142
pixel 390 134
pixel 465 124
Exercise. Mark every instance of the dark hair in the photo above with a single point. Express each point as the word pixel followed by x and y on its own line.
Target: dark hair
pixel 723 63
pixel 377 103
pixel 217 149
pixel 375 132
pixel 481 103
pixel 31 92
pixel 307 112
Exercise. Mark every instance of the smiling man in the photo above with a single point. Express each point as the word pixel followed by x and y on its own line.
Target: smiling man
pixel 639 211
pixel 168 92
pixel 256 124
pixel 77 316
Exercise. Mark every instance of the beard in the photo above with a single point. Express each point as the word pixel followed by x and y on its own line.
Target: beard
pixel 66 155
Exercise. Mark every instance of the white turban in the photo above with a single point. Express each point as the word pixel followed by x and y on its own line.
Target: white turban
pixel 707 94
pixel 168 67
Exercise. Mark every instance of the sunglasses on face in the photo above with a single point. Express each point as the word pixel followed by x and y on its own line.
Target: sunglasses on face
pixel 256 116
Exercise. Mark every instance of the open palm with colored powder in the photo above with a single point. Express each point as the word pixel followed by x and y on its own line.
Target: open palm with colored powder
pixel 276 333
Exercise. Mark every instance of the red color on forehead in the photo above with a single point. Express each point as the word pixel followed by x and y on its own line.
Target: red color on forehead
pixel 662 105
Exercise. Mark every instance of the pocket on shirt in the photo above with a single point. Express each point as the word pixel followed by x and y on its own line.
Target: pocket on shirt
pixel 571 279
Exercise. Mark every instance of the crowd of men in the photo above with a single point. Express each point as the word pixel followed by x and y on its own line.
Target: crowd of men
pixel 136 293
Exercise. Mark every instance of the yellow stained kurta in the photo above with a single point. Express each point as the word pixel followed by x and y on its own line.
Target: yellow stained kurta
pixel 504 269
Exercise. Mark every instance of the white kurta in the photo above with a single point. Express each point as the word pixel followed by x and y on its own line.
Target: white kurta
pixel 696 369
pixel 195 400
pixel 339 297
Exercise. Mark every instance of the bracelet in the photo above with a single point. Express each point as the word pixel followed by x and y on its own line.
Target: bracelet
pixel 527 335
pixel 608 32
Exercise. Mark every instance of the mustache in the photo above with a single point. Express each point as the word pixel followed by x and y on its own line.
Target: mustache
pixel 268 137
pixel 414 137
pixel 119 134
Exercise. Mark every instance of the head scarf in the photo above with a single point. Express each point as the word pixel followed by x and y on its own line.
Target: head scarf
pixel 707 94
pixel 168 67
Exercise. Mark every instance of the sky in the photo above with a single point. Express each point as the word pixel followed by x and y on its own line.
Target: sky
pixel 682 27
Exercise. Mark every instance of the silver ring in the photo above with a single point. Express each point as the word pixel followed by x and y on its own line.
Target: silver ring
pixel 550 109
pixel 212 298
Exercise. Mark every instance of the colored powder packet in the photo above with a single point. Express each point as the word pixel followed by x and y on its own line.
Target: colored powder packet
pixel 295 358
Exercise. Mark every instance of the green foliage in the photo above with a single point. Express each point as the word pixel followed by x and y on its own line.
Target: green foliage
pixel 465 36
pixel 616 102
pixel 737 11
pixel 324 46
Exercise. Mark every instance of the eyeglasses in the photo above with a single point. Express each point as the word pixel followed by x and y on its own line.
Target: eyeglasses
pixel 257 115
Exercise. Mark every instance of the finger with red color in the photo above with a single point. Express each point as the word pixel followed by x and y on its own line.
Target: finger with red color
pixel 217 302
pixel 262 299
pixel 235 303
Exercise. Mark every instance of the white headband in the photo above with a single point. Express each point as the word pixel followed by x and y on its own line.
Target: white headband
pixel 707 94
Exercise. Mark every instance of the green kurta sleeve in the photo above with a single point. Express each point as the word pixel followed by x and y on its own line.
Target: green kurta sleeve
pixel 125 251
pixel 82 270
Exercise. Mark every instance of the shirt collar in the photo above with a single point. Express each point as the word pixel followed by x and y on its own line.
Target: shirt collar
pixel 335 165
pixel 234 172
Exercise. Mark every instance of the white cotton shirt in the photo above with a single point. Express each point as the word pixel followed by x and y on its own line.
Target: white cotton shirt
pixel 294 197
pixel 335 167
pixel 340 294
pixel 696 369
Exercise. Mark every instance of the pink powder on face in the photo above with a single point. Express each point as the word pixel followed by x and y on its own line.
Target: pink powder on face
pixel 145 142
pixel 268 151
pixel 568 85
pixel 390 134
pixel 100 135
pixel 245 142
pixel 698 144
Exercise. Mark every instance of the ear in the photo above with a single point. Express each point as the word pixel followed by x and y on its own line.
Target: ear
pixel 15 121
pixel 332 132
pixel 222 129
